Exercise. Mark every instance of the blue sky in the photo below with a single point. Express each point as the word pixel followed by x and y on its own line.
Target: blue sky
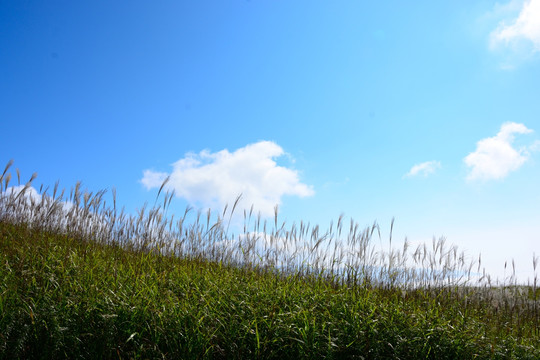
pixel 425 111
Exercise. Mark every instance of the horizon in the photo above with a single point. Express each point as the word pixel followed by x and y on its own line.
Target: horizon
pixel 427 113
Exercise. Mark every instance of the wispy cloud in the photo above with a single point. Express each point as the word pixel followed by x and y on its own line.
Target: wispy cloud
pixel 495 157
pixel 535 146
pixel 216 179
pixel 521 34
pixel 424 169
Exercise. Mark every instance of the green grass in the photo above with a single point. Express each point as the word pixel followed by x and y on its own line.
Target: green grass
pixel 89 282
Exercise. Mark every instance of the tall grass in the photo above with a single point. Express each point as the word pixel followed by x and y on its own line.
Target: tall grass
pixel 81 277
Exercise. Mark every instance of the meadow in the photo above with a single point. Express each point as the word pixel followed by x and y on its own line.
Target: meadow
pixel 81 279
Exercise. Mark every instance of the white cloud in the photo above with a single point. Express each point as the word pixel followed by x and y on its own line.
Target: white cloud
pixel 525 27
pixel 495 157
pixel 535 146
pixel 425 168
pixel 29 193
pixel 152 179
pixel 216 179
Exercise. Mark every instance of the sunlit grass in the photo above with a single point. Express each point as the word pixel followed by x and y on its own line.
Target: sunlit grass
pixel 82 279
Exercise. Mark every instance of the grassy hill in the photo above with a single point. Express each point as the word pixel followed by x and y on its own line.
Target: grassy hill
pixel 86 281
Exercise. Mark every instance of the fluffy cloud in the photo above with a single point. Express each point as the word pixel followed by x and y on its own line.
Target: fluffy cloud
pixel 495 157
pixel 526 26
pixel 29 193
pixel 425 168
pixel 216 179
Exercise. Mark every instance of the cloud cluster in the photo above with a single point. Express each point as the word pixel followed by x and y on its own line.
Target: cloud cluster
pixel 495 157
pixel 425 168
pixel 213 180
pixel 525 27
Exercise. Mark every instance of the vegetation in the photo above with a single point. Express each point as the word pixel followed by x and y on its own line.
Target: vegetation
pixel 80 279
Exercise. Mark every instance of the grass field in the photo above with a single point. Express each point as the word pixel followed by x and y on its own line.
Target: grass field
pixel 81 279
